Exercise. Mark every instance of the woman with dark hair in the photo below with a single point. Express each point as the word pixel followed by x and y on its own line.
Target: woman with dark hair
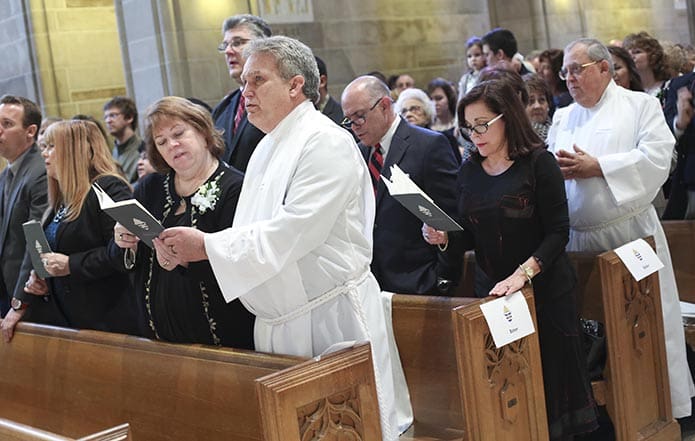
pixel 513 210
pixel 625 73
pixel 551 63
pixel 178 302
pixel 442 93
pixel 540 104
pixel 650 62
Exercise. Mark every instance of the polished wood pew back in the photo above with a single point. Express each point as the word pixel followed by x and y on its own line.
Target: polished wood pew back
pixel 635 385
pixel 12 431
pixel 78 382
pixel 444 348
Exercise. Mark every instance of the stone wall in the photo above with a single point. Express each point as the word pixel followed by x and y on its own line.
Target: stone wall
pixel 79 59
pixel 18 66
pixel 72 55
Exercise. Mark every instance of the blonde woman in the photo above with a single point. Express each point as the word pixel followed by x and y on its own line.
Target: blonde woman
pixel 86 290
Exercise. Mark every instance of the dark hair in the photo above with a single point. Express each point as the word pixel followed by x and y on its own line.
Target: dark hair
pixel 174 107
pixel 379 75
pixel 655 53
pixel 200 102
pixel 500 97
pixel 510 77
pixel 322 66
pixel 537 84
pixel 474 41
pixel 624 55
pixel 32 113
pixel 500 38
pixel 554 58
pixel 448 89
pixel 83 117
pixel 255 24
pixel 126 106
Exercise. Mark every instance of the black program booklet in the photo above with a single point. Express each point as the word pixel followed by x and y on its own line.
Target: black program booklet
pixel 131 214
pixel 37 244
pixel 405 191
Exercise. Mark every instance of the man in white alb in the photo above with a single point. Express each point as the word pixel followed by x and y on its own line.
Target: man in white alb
pixel 614 149
pixel 299 250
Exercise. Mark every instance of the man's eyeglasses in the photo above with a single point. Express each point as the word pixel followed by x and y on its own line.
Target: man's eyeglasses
pixel 236 43
pixel 574 69
pixel 480 129
pixel 413 109
pixel 111 115
pixel 359 119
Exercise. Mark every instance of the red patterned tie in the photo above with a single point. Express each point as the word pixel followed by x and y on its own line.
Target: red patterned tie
pixel 376 162
pixel 240 112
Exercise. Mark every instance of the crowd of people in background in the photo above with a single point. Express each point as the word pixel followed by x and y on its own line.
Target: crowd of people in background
pixel 581 148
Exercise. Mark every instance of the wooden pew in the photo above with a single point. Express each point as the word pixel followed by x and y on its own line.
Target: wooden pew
pixel 440 354
pixel 636 371
pixel 681 243
pixel 12 431
pixel 635 385
pixel 77 382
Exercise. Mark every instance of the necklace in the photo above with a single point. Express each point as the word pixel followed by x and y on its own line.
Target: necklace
pixel 60 214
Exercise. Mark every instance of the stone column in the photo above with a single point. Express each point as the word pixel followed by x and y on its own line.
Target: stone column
pixel 18 71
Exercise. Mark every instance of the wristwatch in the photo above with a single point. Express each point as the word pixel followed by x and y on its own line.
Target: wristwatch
pixel 17 304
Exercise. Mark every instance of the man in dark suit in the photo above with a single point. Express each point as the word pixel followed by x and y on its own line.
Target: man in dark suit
pixel 327 105
pixel 240 136
pixel 680 113
pixel 403 262
pixel 23 193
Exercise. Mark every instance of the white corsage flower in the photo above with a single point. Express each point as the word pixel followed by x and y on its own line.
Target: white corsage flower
pixel 206 197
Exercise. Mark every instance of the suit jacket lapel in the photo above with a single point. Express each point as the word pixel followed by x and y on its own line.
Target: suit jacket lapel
pixel 399 145
pixel 5 215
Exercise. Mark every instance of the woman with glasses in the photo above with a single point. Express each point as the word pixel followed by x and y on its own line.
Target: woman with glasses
pixel 513 209
pixel 87 288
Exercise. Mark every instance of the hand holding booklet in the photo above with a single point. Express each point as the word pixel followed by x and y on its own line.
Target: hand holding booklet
pixel 37 244
pixel 405 191
pixel 131 214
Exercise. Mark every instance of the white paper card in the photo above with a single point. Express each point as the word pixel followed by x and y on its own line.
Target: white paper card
pixel 639 258
pixel 508 318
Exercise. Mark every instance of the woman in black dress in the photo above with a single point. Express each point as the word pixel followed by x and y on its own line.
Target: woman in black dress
pixel 513 209
pixel 88 288
pixel 183 302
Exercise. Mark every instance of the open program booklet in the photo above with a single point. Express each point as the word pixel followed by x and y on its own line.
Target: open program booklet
pixel 37 244
pixel 405 191
pixel 131 214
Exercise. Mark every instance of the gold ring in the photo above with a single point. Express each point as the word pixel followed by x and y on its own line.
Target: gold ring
pixel 165 263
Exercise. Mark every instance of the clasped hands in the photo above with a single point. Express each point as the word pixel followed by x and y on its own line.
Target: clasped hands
pixel 507 286
pixel 175 246
pixel 578 165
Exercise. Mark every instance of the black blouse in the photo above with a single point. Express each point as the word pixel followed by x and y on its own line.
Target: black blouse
pixel 186 305
pixel 509 217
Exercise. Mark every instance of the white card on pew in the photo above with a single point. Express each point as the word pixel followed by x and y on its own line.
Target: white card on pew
pixel 639 258
pixel 508 318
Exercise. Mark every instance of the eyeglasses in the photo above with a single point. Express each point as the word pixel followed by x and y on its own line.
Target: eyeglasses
pixel 359 119
pixel 236 43
pixel 112 115
pixel 574 69
pixel 413 109
pixel 48 148
pixel 480 129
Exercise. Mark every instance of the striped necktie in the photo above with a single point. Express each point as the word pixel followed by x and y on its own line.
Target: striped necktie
pixel 376 162
pixel 240 112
